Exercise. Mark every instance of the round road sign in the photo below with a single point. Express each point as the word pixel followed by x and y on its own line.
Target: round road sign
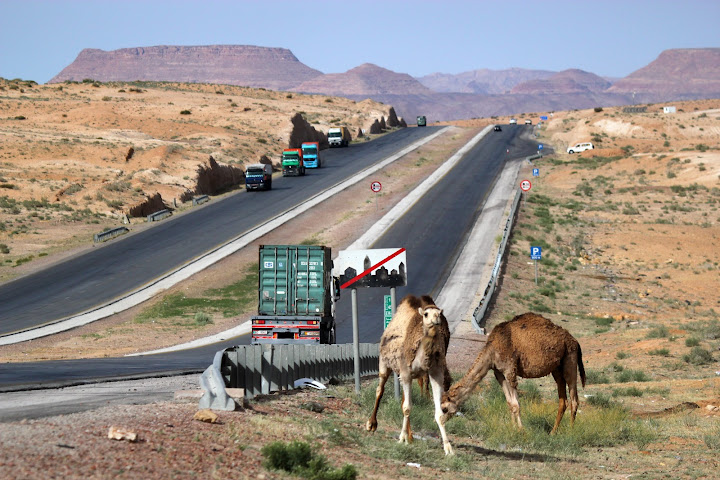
pixel 376 186
pixel 525 185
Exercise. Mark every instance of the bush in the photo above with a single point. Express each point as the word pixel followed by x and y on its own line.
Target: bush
pixel 299 459
pixel 202 318
pixel 698 356
pixel 598 109
pixel 185 112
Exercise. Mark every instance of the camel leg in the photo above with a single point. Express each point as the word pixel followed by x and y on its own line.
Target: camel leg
pixel 509 386
pixel 371 424
pixel 570 374
pixel 405 433
pixel 562 398
pixel 436 382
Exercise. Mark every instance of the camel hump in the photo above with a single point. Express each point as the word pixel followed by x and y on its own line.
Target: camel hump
pixel 427 301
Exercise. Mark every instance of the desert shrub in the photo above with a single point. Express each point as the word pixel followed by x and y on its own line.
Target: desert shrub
pixel 185 112
pixel 658 332
pixel 631 376
pixel 596 377
pixel 598 109
pixel 692 342
pixel 698 356
pixel 202 318
pixel 4 248
pixel 300 459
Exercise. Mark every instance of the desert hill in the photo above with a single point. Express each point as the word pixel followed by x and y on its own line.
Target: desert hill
pixel 483 81
pixel 566 82
pixel 675 74
pixel 366 80
pixel 246 65
pixel 678 74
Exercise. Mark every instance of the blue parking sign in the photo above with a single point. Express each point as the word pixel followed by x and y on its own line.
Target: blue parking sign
pixel 540 147
pixel 536 172
pixel 536 253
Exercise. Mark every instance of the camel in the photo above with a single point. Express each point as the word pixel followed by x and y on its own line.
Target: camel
pixel 414 344
pixel 528 346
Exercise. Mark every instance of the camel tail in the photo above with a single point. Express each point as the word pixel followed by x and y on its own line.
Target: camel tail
pixel 580 366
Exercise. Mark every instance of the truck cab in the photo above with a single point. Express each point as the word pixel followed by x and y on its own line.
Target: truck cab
pixel 421 121
pixel 258 176
pixel 311 154
pixel 339 137
pixel 292 162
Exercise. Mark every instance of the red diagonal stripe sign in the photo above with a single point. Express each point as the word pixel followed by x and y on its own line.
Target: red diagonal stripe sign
pixel 370 270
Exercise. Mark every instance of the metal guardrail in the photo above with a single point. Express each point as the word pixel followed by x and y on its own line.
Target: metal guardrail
pixel 108 234
pixel 154 217
pixel 200 200
pixel 261 369
pixel 635 110
pixel 478 320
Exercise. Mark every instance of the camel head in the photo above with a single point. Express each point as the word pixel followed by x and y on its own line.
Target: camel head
pixel 448 406
pixel 431 316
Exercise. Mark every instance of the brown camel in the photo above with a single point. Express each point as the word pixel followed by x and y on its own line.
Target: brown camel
pixel 413 345
pixel 528 346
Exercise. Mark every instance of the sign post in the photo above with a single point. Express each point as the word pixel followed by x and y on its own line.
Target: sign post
pixel 356 339
pixel 383 267
pixel 525 186
pixel 376 187
pixel 389 313
pixel 536 254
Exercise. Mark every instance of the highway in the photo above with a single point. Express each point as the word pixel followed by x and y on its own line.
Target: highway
pixel 432 232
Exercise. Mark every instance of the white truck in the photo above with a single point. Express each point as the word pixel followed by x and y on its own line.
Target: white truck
pixel 339 137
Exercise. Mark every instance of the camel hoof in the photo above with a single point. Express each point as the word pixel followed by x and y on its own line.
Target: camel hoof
pixel 371 426
pixel 449 450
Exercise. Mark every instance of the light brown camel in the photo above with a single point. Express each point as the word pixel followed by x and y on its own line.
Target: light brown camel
pixel 528 346
pixel 414 344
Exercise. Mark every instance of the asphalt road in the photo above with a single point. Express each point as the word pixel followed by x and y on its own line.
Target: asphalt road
pixel 433 233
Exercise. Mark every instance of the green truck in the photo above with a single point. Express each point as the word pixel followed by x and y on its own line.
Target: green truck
pixel 296 295
pixel 292 162
pixel 421 121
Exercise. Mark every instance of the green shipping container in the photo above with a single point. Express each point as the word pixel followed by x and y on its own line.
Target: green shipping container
pixel 295 280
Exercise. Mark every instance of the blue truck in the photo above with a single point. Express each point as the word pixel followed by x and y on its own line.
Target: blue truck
pixel 311 154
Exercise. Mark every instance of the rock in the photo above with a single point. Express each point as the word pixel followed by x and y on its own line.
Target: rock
pixel 206 415
pixel 117 433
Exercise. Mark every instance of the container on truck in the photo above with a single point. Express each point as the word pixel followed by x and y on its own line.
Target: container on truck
pixel 258 176
pixel 339 137
pixel 296 295
pixel 421 121
pixel 292 162
pixel 311 154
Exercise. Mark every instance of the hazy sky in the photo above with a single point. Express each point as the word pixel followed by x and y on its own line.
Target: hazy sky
pixel 38 38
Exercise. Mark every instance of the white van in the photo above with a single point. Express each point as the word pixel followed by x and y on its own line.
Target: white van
pixel 580 147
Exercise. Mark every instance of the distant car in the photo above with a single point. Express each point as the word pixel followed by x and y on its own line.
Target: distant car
pixel 497 128
pixel 528 121
pixel 580 147
pixel 513 121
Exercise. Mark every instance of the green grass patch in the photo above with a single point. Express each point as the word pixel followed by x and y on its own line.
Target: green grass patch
pixel 197 311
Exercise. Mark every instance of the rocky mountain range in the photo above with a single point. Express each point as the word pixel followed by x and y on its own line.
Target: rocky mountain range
pixel 678 74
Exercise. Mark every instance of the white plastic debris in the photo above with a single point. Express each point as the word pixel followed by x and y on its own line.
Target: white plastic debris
pixel 309 382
